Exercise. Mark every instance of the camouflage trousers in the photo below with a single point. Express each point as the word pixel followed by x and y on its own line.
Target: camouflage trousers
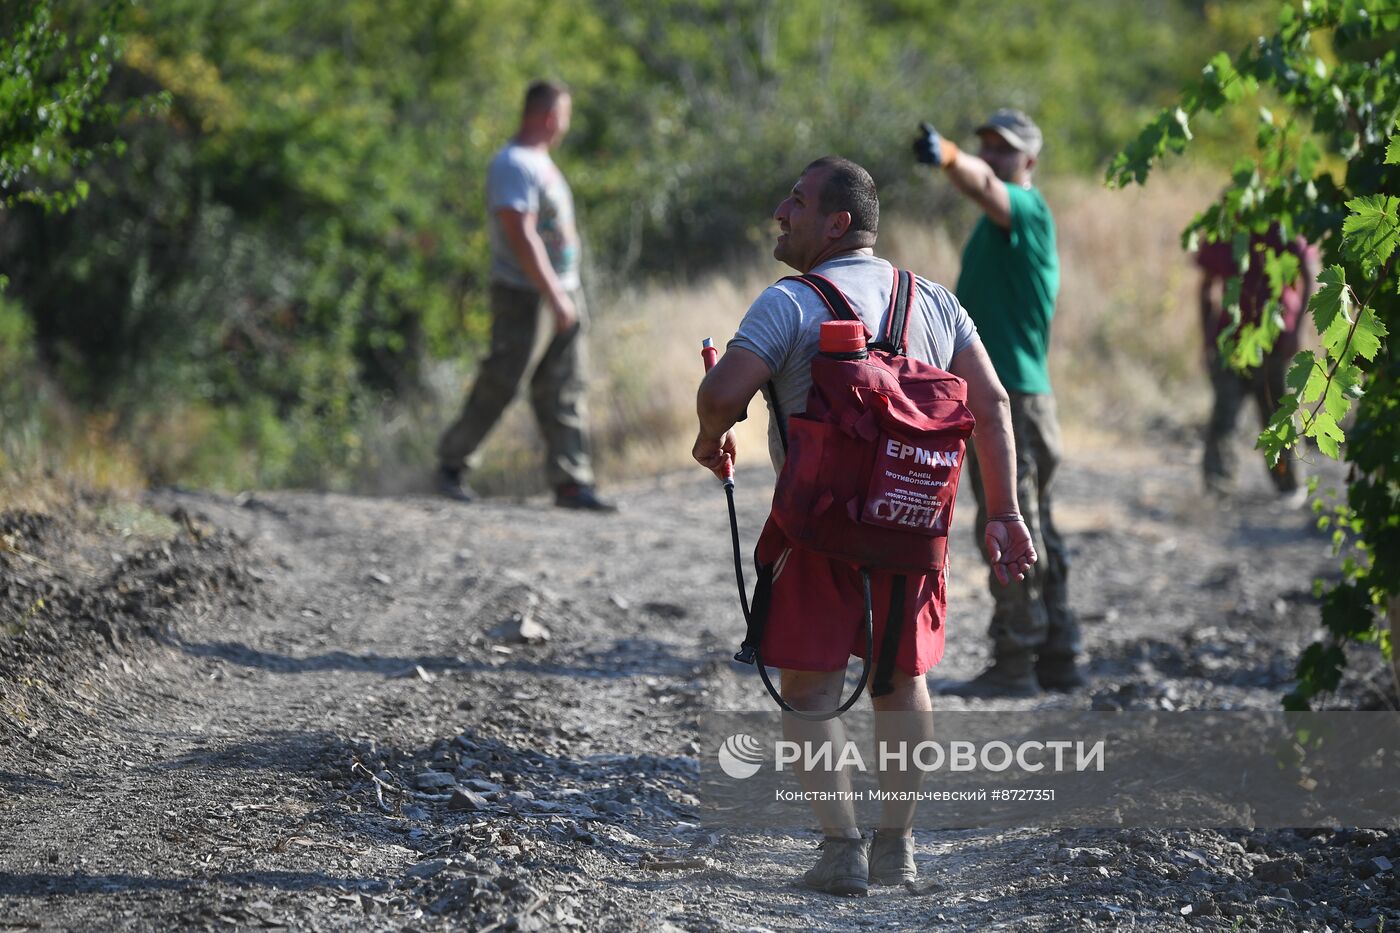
pixel 1032 615
pixel 525 347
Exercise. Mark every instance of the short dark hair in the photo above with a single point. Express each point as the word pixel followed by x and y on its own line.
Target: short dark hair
pixel 849 188
pixel 543 94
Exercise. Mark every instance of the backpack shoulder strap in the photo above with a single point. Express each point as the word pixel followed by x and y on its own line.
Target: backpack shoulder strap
pixel 896 336
pixel 839 307
pixel 828 292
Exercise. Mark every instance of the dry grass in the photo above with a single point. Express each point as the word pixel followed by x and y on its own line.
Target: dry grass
pixel 1125 359
pixel 41 466
pixel 1125 362
pixel 645 356
pixel 1125 356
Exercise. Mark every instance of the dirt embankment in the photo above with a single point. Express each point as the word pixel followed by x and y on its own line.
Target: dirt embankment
pixel 323 712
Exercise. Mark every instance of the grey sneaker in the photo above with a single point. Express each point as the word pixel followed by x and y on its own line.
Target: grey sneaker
pixel 892 858
pixel 843 869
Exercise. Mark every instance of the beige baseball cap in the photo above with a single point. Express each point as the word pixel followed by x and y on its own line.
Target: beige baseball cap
pixel 1016 128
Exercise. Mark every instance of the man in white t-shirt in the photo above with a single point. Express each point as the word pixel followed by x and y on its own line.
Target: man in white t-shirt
pixel 537 309
pixel 828 225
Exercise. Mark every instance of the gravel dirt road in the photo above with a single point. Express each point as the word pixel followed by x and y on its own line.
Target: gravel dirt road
pixel 321 712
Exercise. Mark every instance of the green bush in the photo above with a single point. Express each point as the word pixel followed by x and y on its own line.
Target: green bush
pixel 16 358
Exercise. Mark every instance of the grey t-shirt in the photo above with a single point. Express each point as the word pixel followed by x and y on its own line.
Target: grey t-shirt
pixel 783 327
pixel 525 179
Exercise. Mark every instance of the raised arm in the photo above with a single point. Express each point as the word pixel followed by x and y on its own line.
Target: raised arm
pixel 968 173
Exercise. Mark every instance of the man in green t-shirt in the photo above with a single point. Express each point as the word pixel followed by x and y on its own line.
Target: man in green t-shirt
pixel 1010 277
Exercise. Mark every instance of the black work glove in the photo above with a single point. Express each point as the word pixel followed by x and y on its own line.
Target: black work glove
pixel 928 145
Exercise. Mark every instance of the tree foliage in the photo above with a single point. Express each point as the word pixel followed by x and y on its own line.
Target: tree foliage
pixel 51 84
pixel 54 69
pixel 1325 163
pixel 302 229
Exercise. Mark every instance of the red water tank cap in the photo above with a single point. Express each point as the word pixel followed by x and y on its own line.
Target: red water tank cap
pixel 842 337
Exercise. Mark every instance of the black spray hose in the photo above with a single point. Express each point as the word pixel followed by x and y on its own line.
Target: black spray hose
pixel 748 654
pixel 754 657
pixel 738 558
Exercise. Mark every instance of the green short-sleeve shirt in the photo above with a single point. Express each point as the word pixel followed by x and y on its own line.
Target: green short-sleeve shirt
pixel 1008 284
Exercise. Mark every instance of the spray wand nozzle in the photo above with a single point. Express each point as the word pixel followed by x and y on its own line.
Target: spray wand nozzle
pixel 710 355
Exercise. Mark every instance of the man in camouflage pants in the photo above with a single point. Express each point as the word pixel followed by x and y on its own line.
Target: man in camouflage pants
pixel 1009 281
pixel 538 314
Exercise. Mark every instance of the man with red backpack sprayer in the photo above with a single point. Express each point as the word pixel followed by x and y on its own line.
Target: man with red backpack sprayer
pixel 808 604
pixel 1009 280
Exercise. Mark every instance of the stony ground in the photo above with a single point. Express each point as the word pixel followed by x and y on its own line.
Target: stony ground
pixel 320 712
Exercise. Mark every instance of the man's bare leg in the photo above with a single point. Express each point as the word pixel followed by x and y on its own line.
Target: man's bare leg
pixel 909 721
pixel 816 692
pixel 904 718
pixel 843 868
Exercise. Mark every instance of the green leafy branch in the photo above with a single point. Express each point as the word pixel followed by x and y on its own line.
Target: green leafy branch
pixel 1351 103
pixel 53 75
pixel 1350 329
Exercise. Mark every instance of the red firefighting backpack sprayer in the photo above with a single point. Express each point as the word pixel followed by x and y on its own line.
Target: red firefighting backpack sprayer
pixel 871 471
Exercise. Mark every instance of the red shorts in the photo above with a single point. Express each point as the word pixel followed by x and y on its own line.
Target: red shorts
pixel 818 607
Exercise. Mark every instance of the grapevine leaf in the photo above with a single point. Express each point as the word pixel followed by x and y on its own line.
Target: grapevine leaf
pixel 1320 667
pixel 1324 429
pixel 1392 151
pixel 1331 305
pixel 1222 81
pixel 1366 342
pixel 1348 380
pixel 1308 156
pixel 1336 402
pixel 1303 365
pixel 1239 247
pixel 1282 269
pixel 1334 338
pixel 1281 432
pixel 1347 611
pixel 1134 162
pixel 1372 230
pixel 1312 390
pixel 1254 341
